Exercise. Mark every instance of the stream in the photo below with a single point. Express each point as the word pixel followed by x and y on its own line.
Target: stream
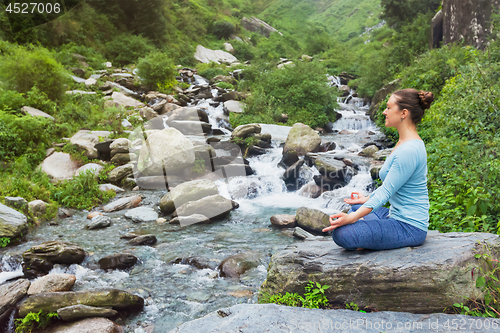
pixel 176 293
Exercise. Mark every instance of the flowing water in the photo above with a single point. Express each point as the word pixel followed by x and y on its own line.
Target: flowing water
pixel 176 293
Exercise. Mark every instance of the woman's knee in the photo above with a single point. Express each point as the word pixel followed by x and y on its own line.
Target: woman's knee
pixel 340 238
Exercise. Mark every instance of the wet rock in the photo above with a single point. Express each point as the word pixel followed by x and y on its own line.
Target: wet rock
pixel 28 110
pixel 327 146
pixel 12 223
pixel 64 212
pixel 402 278
pixel 382 155
pixel 59 166
pixel 120 172
pixel 244 131
pixel 284 221
pixel 289 158
pixel 129 235
pixel 51 302
pixel 234 106
pixel 188 191
pixel 120 158
pixel 328 166
pixel 123 203
pixel 52 283
pixel 199 263
pixel 375 167
pixel 312 220
pixel 188 220
pixel 284 319
pixel 143 240
pixel 40 259
pixel 300 233
pixel 292 173
pixel 212 206
pixel 108 187
pixel 10 294
pixel 191 127
pixel 118 261
pixel 79 311
pixel 310 190
pixel 99 222
pixel 142 214
pixel 88 325
pixel 302 139
pixel 380 96
pixel 369 151
pixel 236 265
pixel 16 202
pixel 91 215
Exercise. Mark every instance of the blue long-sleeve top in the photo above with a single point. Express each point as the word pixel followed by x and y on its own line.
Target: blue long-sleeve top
pixel 404 176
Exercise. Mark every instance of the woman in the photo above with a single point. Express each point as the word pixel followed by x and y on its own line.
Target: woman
pixel 368 225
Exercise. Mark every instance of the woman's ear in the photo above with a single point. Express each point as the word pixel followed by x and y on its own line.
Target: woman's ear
pixel 405 113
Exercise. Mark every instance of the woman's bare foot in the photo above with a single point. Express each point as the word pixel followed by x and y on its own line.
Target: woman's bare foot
pixel 359 249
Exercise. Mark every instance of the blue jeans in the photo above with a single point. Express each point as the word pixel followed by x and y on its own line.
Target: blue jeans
pixel 377 232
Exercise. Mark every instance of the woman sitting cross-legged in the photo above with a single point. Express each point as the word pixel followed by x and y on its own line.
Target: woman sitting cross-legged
pixel 368 225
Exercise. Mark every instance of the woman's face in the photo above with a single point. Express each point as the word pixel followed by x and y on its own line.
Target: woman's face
pixel 392 113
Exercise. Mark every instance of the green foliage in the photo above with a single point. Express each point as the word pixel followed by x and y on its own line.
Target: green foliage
pixel 33 321
pixel 314 298
pixel 157 69
pixel 4 241
pixel 399 12
pixel 222 29
pixel 127 49
pixel 93 58
pixel 225 85
pixel 103 174
pixel 211 70
pixel 242 50
pixel 199 166
pixel 25 67
pixel 353 306
pixel 81 192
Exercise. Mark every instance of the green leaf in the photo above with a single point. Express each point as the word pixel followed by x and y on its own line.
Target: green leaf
pixel 480 282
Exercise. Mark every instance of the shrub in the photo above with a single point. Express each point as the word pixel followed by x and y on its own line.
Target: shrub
pixel 127 49
pixel 242 50
pixel 25 67
pixel 156 69
pixel 225 85
pixel 34 320
pixel 222 29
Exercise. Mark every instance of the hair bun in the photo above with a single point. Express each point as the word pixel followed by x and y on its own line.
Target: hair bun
pixel 426 99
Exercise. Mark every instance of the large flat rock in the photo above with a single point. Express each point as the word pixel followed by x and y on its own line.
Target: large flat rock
pixel 250 318
pixel 10 294
pixel 59 166
pixel 422 279
pixel 12 223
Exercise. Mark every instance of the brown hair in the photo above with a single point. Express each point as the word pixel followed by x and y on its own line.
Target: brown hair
pixel 414 101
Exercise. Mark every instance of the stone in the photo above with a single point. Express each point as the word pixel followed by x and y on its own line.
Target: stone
pixel 79 311
pixel 243 131
pixel 118 261
pixel 28 110
pixel 168 149
pixel 375 167
pixel 236 265
pixel 93 167
pixel 51 283
pixel 380 96
pixel 10 294
pixel 106 297
pixel 187 191
pixel 118 173
pixel 16 202
pixel 256 25
pixel 90 82
pixel 161 220
pixel 205 55
pixel 423 279
pixel 382 155
pixel 64 212
pixel 88 325
pixel 37 207
pixel 120 159
pixel 228 47
pixel 143 240
pixel 99 222
pixel 148 113
pixel 125 101
pixel 328 166
pixel 110 187
pixel 310 190
pixel 284 319
pixel 85 142
pixel 312 220
pixel 91 215
pixel 191 127
pixel 369 151
pixel 188 220
pixel 212 206
pixel 234 106
pixel 300 233
pixel 302 139
pixel 142 214
pixel 59 166
pixel 284 221
pixel 123 203
pixel 120 143
pixel 40 259
pixel 12 223
pixel 293 172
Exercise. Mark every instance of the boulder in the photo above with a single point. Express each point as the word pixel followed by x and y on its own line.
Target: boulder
pixel 188 191
pixel 302 139
pixel 99 222
pixel 28 110
pixel 422 279
pixel 212 206
pixel 310 190
pixel 236 265
pixel 59 166
pixel 88 325
pixel 369 151
pixel 37 207
pixel 382 155
pixel 10 294
pixel 123 203
pixel 191 127
pixel 143 240
pixel 52 283
pixel 12 223
pixel 85 141
pixel 243 131
pixel 79 311
pixel 332 168
pixel 110 187
pixel 120 158
pixel 120 99
pixel 118 261
pixel 300 233
pixel 284 319
pixel 380 95
pixel 284 221
pixel 188 220
pixel 256 25
pixel 16 202
pixel 40 259
pixel 234 106
pixel 205 55
pixel 312 220
pixel 168 149
pixel 106 297
pixel 142 214
pixel 120 172
pixel 93 167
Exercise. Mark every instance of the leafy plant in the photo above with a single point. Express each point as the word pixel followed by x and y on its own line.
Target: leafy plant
pixel 199 166
pixel 34 320
pixel 157 69
pixel 127 49
pixel 225 85
pixel 353 306
pixel 313 298
pixel 4 241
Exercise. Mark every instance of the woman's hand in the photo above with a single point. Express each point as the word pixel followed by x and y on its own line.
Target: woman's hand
pixel 342 219
pixel 361 199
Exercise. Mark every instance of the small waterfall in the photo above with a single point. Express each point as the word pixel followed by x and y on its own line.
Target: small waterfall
pixel 353 120
pixel 10 269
